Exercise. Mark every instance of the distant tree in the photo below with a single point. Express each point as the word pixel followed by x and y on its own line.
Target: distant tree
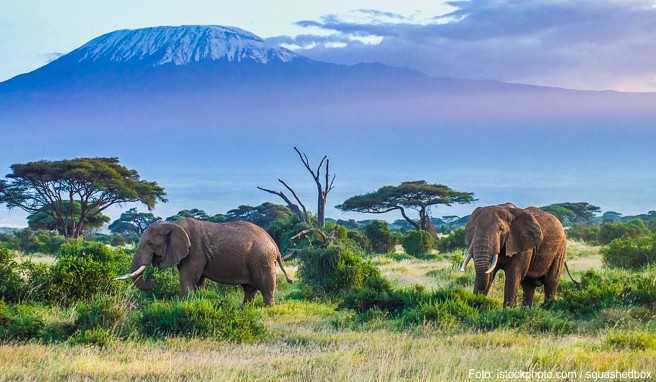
pixel 610 231
pixel 416 195
pixel 95 183
pixel 323 189
pixel 379 235
pixel 193 213
pixel 132 223
pixel 262 215
pixel 611 216
pixel 573 213
pixel 45 219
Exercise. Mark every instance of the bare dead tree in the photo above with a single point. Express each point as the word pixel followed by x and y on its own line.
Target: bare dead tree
pixel 322 189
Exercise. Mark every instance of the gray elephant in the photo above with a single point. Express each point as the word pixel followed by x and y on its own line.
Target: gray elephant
pixel 230 253
pixel 529 245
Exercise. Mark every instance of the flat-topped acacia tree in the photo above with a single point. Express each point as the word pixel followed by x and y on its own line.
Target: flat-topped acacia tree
pixel 94 183
pixel 415 195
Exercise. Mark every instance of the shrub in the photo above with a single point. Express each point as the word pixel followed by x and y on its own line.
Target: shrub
pixel 105 312
pixel 380 236
pixel 225 320
pixel 610 231
pixel 97 336
pixel 11 283
pixel 19 322
pixel 455 240
pixel 359 239
pixel 336 269
pixel 582 232
pixel 417 243
pixel 634 340
pixel 628 252
pixel 83 269
pixel 532 320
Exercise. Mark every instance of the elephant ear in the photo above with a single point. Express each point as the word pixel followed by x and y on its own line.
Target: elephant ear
pixel 525 234
pixel 471 225
pixel 178 245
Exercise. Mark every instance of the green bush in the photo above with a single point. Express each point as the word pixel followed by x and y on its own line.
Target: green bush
pixel 359 239
pixel 610 231
pixel 455 240
pixel 19 322
pixel 627 252
pixel 417 243
pixel 105 312
pixel 633 340
pixel 380 236
pixel 225 320
pixel 336 269
pixel 97 336
pixel 11 283
pixel 532 320
pixel 583 232
pixel 84 269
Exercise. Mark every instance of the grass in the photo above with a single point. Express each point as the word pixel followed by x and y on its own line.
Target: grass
pixel 314 340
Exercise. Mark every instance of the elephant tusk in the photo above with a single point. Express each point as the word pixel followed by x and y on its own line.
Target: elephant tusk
pixel 493 264
pixel 464 263
pixel 132 275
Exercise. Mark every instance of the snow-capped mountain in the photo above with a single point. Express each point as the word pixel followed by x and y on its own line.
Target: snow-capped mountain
pixel 181 45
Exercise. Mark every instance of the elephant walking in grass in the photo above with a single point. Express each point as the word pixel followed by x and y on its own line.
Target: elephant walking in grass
pixel 529 245
pixel 230 253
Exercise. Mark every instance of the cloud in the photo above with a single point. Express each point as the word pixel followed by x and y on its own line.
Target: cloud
pixel 586 44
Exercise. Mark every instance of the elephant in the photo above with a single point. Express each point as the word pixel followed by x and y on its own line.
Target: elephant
pixel 529 245
pixel 236 252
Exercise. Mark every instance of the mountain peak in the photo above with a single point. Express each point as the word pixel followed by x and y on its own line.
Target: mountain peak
pixel 181 45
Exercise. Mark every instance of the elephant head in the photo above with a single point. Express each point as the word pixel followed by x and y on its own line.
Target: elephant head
pixel 495 231
pixel 162 245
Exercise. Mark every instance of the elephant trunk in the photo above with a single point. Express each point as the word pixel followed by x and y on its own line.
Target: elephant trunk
pixel 484 261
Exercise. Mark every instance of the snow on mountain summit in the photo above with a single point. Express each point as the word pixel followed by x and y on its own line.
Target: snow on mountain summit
pixel 181 45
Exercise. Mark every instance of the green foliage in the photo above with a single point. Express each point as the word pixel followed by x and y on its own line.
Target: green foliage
pixel 166 283
pixel 380 236
pixel 84 269
pixel 29 241
pixel 583 232
pixel 532 320
pixel 19 322
pixel 417 243
pixel 627 252
pixel 11 283
pixel 610 231
pixel 359 239
pixel 105 312
pixel 194 213
pixel 633 340
pixel 202 317
pixel 611 288
pixel 132 223
pixel 263 215
pixel 337 269
pixel 96 336
pixel 45 219
pixel 455 240
pixel 573 213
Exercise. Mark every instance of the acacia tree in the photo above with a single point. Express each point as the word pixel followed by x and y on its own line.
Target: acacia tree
pixel 132 222
pixel 94 183
pixel 416 195
pixel 573 213
pixel 323 189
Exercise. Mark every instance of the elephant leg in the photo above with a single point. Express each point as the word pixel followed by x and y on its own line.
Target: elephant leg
pixel 189 281
pixel 528 287
pixel 268 286
pixel 515 273
pixel 552 278
pixel 249 293
pixel 200 283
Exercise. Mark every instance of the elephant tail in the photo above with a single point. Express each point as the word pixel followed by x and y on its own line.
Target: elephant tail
pixel 279 259
pixel 570 275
